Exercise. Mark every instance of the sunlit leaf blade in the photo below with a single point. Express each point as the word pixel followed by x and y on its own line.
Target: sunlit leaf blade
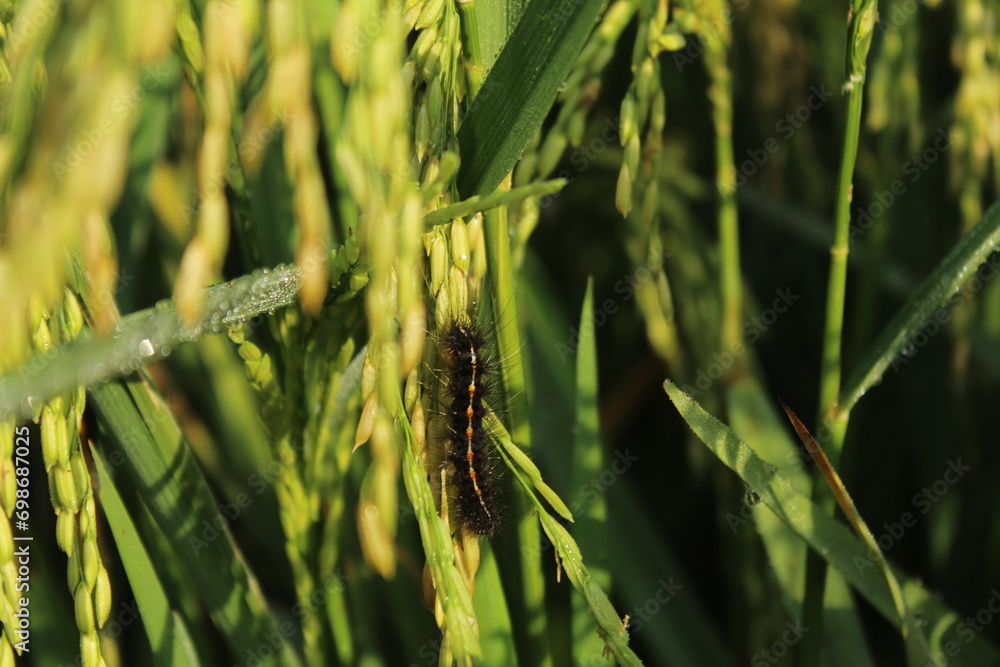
pixel 928 306
pixel 498 198
pixel 520 90
pixel 144 337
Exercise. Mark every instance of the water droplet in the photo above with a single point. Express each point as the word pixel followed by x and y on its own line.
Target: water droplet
pixel 146 348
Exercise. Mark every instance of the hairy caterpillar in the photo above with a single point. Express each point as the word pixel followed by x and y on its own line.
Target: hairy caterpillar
pixel 470 450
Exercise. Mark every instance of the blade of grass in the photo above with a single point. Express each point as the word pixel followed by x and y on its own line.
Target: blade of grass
pixel 752 415
pixel 499 198
pixel 486 26
pixel 143 338
pixel 830 538
pixel 524 463
pixel 587 462
pixel 844 639
pixel 146 438
pixel 520 90
pixel 612 629
pixel 940 290
pixel 491 610
pixel 916 645
pixel 168 635
pixel 681 632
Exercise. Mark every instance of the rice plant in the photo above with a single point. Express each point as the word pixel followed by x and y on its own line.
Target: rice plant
pixel 524 333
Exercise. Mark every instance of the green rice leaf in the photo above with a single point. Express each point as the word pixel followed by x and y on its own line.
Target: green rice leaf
pixel 460 616
pixel 612 628
pixel 917 651
pixel 928 307
pixel 588 465
pixel 831 539
pixel 144 435
pixel 524 463
pixel 520 90
pixel 753 416
pixel 167 632
pixel 478 203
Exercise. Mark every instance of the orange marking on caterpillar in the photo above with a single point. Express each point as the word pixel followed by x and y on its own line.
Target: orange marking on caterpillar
pixel 467 390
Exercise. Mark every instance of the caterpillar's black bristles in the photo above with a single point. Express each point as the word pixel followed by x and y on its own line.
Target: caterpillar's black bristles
pixel 470 448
